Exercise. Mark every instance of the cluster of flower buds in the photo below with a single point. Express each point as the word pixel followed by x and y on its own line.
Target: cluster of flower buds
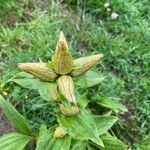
pixel 62 70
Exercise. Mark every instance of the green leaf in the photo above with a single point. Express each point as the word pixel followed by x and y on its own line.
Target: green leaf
pixel 46 91
pixel 14 141
pixel 104 123
pixel 82 99
pixel 81 126
pixel 89 79
pixel 26 80
pixel 45 135
pixel 112 143
pixel 79 145
pixel 46 141
pixel 112 104
pixel 59 143
pixel 16 119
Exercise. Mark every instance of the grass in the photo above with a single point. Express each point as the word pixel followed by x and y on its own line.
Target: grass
pixel 30 34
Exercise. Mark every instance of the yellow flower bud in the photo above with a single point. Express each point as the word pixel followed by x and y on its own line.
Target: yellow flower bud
pixel 59 132
pixel 39 70
pixel 54 92
pixel 62 59
pixel 83 64
pixel 72 111
pixel 66 88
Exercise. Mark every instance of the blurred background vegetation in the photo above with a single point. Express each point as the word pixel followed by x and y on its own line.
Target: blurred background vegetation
pixel 117 28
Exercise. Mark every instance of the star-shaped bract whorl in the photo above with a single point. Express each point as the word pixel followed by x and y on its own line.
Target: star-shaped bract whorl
pixel 63 68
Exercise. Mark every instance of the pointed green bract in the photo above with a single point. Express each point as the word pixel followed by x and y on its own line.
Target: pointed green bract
pixel 39 70
pixel 83 64
pixel 62 59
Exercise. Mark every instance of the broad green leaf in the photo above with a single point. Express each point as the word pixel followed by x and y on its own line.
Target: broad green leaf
pixel 16 119
pixel 79 145
pixel 45 135
pixel 14 141
pixel 89 79
pixel 59 143
pixel 46 141
pixel 46 91
pixel 112 104
pixel 26 80
pixel 104 123
pixel 112 143
pixel 81 126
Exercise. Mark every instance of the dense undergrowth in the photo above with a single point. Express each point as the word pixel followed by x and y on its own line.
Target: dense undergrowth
pixel 28 32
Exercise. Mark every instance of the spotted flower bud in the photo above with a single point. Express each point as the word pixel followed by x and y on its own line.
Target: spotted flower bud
pixel 83 64
pixel 72 111
pixel 62 60
pixel 39 70
pixel 66 88
pixel 59 132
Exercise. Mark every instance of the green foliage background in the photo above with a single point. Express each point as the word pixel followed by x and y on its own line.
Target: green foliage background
pixel 29 32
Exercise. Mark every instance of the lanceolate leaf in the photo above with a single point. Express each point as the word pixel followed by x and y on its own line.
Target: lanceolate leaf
pixel 112 143
pixel 59 143
pixel 104 123
pixel 14 141
pixel 45 135
pixel 15 118
pixel 45 89
pixel 46 140
pixel 26 80
pixel 81 126
pixel 112 104
pixel 89 79
pixel 48 91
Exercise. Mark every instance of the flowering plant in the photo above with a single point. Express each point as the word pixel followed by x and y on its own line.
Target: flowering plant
pixel 76 126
